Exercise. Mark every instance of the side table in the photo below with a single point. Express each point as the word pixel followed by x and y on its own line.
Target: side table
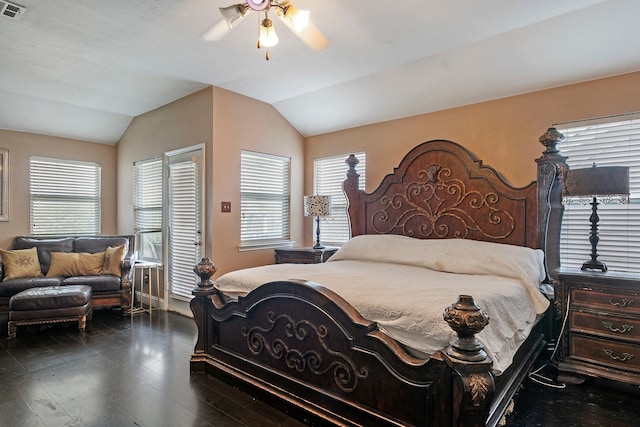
pixel 144 269
pixel 303 255
pixel 602 333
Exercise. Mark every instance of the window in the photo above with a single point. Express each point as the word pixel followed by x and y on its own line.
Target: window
pixel 64 197
pixel 329 174
pixel 264 200
pixel 607 142
pixel 147 208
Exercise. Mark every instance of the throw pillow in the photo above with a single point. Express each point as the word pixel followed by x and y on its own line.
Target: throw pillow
pixel 112 259
pixel 20 263
pixel 69 264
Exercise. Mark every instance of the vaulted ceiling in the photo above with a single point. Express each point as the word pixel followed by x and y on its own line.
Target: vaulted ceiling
pixel 84 69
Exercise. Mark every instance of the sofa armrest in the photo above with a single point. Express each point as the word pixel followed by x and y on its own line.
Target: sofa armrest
pixel 126 267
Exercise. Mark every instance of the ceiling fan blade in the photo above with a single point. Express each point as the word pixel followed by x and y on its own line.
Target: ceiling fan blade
pixel 231 16
pixel 216 32
pixel 310 34
pixel 313 37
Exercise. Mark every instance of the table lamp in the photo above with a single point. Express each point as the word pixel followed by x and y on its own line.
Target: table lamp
pixel 597 184
pixel 318 206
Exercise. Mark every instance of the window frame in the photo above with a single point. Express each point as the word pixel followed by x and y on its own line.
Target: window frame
pixel 55 186
pixel 607 141
pixel 329 173
pixel 255 201
pixel 148 208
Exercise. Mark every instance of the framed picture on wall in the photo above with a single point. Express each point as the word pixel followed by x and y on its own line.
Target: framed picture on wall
pixel 4 184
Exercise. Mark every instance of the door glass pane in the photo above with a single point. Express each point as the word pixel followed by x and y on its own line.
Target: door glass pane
pixel 184 228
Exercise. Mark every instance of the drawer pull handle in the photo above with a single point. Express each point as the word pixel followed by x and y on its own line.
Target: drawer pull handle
pixel 624 358
pixel 625 302
pixel 623 330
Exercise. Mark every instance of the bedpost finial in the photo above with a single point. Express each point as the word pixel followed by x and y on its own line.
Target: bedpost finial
pixel 352 161
pixel 466 319
pixel 205 269
pixel 550 139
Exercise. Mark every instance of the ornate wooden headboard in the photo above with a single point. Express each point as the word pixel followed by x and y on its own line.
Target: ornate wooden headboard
pixel 442 190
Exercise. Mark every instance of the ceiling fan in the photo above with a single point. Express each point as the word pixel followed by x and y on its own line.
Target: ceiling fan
pixel 297 20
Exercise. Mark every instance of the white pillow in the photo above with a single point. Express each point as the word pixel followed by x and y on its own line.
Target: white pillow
pixel 460 256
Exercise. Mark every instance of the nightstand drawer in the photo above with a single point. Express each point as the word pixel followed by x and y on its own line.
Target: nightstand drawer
pixel 618 355
pixel 303 255
pixel 605 326
pixel 611 302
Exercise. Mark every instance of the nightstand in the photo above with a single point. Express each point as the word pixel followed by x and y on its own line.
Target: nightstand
pixel 303 255
pixel 601 337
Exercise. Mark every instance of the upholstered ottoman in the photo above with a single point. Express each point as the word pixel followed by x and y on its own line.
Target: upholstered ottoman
pixel 52 304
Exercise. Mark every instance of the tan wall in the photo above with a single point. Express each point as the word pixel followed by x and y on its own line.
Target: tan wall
pixel 225 123
pixel 242 123
pixel 22 146
pixel 503 133
pixel 182 123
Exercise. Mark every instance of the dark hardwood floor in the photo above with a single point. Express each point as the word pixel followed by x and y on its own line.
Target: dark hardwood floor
pixel 135 372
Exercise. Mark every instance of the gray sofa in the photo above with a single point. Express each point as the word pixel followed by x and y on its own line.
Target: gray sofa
pixel 108 290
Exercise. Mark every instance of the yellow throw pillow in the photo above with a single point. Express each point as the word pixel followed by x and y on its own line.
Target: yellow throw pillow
pixel 68 264
pixel 21 263
pixel 112 259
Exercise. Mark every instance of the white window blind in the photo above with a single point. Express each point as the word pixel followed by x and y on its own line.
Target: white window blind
pixel 329 174
pixel 147 207
pixel 265 200
pixel 64 197
pixel 185 220
pixel 605 142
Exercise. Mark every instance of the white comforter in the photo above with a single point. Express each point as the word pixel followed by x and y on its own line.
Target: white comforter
pixel 404 284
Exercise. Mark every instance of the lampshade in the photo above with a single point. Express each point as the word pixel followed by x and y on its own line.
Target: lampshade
pixel 317 205
pixel 268 36
pixel 234 14
pixel 605 183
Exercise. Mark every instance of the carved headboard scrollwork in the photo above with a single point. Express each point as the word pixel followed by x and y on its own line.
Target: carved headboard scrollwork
pixel 441 190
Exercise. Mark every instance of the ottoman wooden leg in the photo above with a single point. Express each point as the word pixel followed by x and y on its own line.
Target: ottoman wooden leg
pixel 82 322
pixel 12 330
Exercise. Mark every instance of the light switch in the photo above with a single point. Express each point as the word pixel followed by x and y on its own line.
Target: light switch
pixel 226 206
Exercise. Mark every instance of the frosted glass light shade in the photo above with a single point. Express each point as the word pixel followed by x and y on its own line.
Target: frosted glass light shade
pixel 268 36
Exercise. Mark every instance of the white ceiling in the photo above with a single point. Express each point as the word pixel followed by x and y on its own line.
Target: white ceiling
pixel 84 69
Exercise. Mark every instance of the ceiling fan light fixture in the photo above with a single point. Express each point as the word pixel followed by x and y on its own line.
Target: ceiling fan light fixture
pixel 259 4
pixel 234 14
pixel 268 36
pixel 297 20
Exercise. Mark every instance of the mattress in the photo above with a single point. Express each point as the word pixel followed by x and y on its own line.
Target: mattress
pixel 404 285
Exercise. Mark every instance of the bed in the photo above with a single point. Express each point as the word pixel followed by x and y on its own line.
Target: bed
pixel 303 347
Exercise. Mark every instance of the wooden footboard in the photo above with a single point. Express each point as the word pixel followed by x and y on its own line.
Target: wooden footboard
pixel 302 348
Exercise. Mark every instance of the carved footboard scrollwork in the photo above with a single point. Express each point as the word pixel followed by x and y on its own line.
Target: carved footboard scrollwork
pixel 306 348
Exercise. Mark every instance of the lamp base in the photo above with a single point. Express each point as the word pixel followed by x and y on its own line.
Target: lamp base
pixel 594 265
pixel 318 245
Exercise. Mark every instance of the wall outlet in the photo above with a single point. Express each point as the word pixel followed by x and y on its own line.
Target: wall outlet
pixel 226 206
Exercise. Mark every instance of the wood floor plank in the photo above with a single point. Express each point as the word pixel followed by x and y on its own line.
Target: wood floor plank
pixel 135 372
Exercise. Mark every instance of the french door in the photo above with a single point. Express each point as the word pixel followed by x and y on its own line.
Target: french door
pixel 184 225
